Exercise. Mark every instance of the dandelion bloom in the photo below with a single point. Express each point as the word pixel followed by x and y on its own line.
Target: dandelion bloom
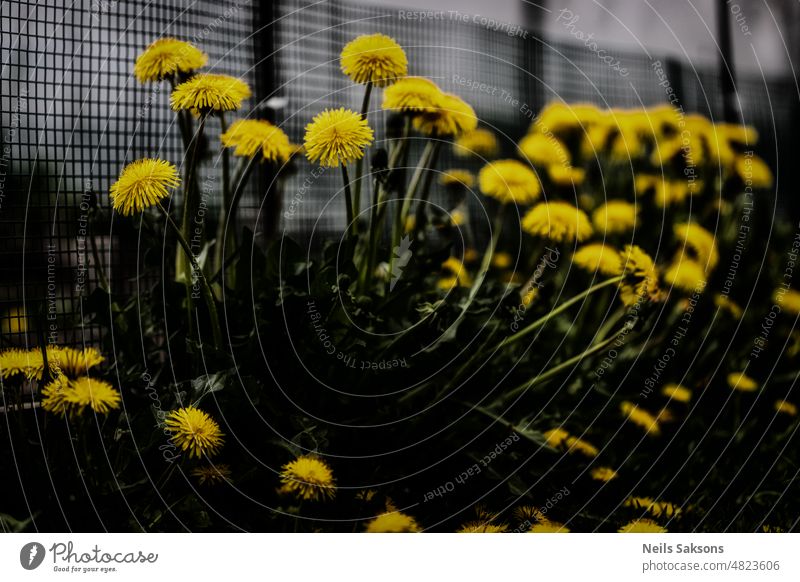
pixel 653 507
pixel 142 184
pixel 74 362
pixel 640 417
pixel 558 438
pixel 374 58
pixel 457 178
pixel 165 57
pixel 603 474
pixel 212 474
pixel 412 95
pixel 457 274
pixel 642 526
pixel 15 362
pixel 557 221
pixel 785 407
pixel 565 175
pixel 560 118
pixel 478 142
pixel 509 181
pixel 641 276
pixel 251 136
pixel 544 150
pixel 789 300
pixel 194 431
pixel 450 116
pixel 548 526
pixel 753 171
pixel 54 396
pixel 483 527
pixel 96 394
pixel 597 257
pixel 393 522
pixel 308 478
pixel 615 217
pixel 686 275
pixel 206 92
pixel 700 242
pixel 740 381
pixel 501 260
pixel 727 304
pixel 743 135
pixel 337 136
pixel 677 392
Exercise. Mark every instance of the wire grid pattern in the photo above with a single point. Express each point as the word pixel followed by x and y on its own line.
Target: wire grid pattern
pixel 72 114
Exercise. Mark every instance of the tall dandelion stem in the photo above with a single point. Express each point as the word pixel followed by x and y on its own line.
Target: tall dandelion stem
pixel 208 296
pixel 225 231
pixel 560 309
pixel 348 199
pixel 360 161
pixel 221 237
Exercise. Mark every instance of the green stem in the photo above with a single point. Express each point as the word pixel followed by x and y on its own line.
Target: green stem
pixel 560 309
pixel 360 161
pixel 221 237
pixel 98 265
pixel 405 204
pixel 186 221
pixel 348 199
pixel 549 374
pixel 208 296
pixel 228 211
pixel 426 186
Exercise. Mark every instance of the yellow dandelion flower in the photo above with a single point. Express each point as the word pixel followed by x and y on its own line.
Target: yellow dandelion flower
pixel 96 394
pixel 393 522
pixel 548 526
pixel 251 136
pixel 470 255
pixel 771 529
pixel 525 513
pixel 558 438
pixel 641 276
pixel 509 181
pixel 561 175
pixel 206 92
pixel 165 57
pixel 457 217
pixel 194 431
pixel 54 396
pixel 597 257
pixel 753 171
pixel 557 221
pixel 142 184
pixel 677 392
pixel 640 417
pixel 785 407
pixel 411 223
pixel 337 136
pixel 308 478
pixel 483 527
pixel 740 381
pixel 502 260
pixel 615 217
pixel 560 118
pixel 725 303
pixel 74 362
pixel 449 117
pixel 374 58
pixel 478 142
pixel 642 526
pixel 15 362
pixel 212 474
pixel 644 183
pixel 653 507
pixel 544 150
pixel 456 269
pixel 412 95
pixel 789 300
pixel 700 242
pixel 457 178
pixel 685 275
pixel 743 135
pixel 603 474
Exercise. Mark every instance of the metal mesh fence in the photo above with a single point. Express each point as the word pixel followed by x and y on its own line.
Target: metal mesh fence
pixel 72 115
